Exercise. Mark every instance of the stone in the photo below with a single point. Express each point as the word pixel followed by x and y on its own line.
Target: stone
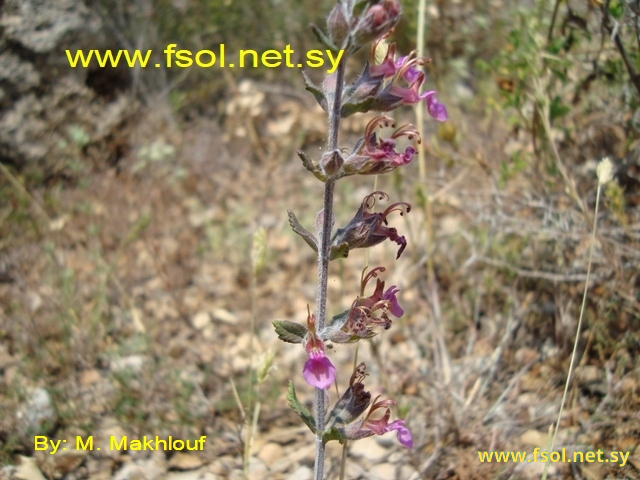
pixel 185 461
pixel 301 473
pixel 36 411
pixel 271 453
pixel 27 470
pixel 201 320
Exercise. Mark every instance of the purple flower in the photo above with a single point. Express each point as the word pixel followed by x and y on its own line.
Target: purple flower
pixel 404 435
pixel 366 313
pixel 390 296
pixel 380 426
pixel 399 83
pixel 318 371
pixel 367 229
pixel 354 402
pixel 377 155
pixel 381 298
pixel 436 109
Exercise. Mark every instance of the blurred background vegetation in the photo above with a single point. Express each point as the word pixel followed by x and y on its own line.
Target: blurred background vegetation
pixel 128 199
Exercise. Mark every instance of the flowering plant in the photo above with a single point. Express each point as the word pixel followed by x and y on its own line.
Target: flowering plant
pixel 387 82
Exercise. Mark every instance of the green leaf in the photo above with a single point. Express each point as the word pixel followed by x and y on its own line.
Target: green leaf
pixel 616 9
pixel 317 93
pixel 323 39
pixel 350 108
pixel 306 235
pixel 290 332
pixel 557 109
pixel 311 166
pixel 332 434
pixel 300 409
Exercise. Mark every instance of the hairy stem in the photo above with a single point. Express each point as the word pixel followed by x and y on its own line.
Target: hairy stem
pixel 323 264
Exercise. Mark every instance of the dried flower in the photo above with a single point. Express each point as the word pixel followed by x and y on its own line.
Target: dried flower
pixel 366 313
pixel 376 155
pixel 371 424
pixel 367 229
pixel 354 401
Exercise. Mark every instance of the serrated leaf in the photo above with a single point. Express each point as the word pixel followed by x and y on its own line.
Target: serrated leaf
pixel 290 332
pixel 311 166
pixel 315 91
pixel 323 39
pixel 300 409
pixel 306 235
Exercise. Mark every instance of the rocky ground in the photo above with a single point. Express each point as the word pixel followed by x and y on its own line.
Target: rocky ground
pixel 127 292
pixel 127 311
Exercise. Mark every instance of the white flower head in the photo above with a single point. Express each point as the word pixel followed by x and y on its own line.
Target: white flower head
pixel 604 171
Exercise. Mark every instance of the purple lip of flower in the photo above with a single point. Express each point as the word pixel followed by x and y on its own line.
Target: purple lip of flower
pixel 436 109
pixel 390 295
pixel 406 67
pixel 388 67
pixel 318 371
pixel 404 435
pixel 381 425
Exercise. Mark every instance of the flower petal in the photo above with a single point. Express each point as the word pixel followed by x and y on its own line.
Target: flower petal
pixel 395 308
pixel 319 372
pixel 436 109
pixel 404 435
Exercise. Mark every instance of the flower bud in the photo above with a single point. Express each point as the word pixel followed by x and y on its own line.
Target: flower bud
pixel 331 163
pixel 376 21
pixel 338 25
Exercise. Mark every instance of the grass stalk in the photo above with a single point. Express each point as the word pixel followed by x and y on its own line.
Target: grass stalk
pixel 604 175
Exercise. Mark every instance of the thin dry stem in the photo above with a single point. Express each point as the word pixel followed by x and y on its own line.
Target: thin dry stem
pixel 578 329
